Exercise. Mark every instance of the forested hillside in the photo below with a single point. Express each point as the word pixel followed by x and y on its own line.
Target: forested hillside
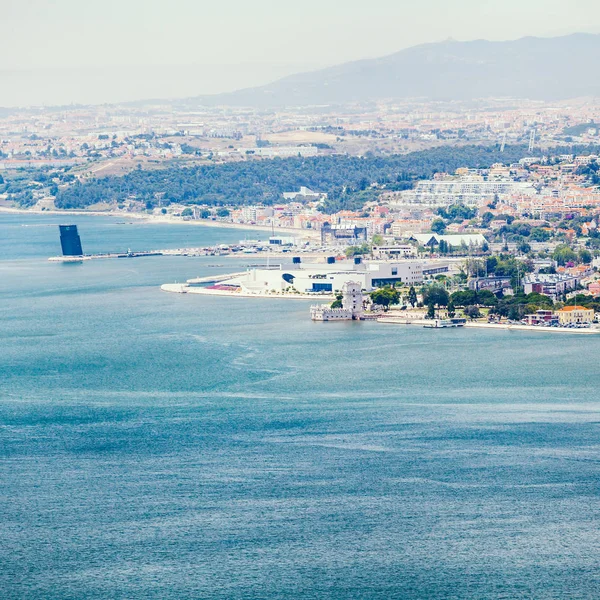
pixel 346 179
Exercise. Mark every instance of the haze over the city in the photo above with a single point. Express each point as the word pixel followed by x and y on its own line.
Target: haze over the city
pixel 74 52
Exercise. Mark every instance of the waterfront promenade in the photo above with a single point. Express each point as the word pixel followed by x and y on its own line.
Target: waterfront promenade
pixel 494 326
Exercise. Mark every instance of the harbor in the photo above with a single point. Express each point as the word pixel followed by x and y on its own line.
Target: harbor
pixel 275 247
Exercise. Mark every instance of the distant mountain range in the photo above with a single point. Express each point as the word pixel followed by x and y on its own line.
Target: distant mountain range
pixel 535 68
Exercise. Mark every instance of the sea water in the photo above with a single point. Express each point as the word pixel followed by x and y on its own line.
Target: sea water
pixel 157 445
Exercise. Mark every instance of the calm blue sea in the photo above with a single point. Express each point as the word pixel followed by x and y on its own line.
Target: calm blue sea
pixel 156 445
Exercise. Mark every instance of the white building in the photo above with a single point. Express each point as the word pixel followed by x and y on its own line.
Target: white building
pixel 455 240
pixel 319 278
pixel 549 284
pixel 252 213
pixel 405 251
pixel 467 190
pixel 282 240
pixel 352 306
pixel 304 194
pixel 283 151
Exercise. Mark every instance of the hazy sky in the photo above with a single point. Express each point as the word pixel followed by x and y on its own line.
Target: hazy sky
pixel 236 43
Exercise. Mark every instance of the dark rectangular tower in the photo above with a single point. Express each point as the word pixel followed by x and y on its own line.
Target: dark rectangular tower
pixel 70 241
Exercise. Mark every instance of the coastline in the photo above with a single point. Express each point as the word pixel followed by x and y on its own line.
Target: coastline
pixel 183 288
pixel 163 219
pixel 496 326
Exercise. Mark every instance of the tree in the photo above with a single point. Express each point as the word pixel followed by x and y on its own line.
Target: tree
pixel 457 213
pixel 472 312
pixel 204 214
pixel 486 298
pixel 222 212
pixel 163 211
pixel 541 299
pixel 385 297
pixel 377 239
pixel 516 312
pixel 357 250
pixel 585 256
pixel 451 309
pixel 412 296
pixel 563 254
pixel 263 181
pixel 524 248
pixel 486 219
pixel 539 235
pixel 491 263
pixel 436 295
pixel 464 298
pixel 438 226
pixel 430 311
pixel 187 212
pixel 337 303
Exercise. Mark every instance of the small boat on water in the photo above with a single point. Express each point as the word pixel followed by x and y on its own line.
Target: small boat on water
pixel 445 323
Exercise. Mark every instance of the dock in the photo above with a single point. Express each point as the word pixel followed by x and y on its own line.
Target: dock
pixel 495 326
pixel 71 259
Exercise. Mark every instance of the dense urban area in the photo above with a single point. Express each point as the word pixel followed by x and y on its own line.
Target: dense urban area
pixel 502 199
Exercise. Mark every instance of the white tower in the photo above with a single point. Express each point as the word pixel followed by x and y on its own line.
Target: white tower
pixel 353 299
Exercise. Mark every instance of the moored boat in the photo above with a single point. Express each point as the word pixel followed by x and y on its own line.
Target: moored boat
pixel 445 323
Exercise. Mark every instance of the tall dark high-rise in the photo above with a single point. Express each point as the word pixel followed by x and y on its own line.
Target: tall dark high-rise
pixel 70 241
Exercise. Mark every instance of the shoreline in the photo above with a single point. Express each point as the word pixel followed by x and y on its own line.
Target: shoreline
pixel 183 288
pixel 517 327
pixel 496 326
pixel 163 219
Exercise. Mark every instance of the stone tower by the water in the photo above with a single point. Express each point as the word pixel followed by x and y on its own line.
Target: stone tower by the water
pixel 352 299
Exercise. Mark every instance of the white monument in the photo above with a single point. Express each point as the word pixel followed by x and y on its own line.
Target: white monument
pixel 352 306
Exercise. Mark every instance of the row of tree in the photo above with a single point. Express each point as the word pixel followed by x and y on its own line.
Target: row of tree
pixel 436 297
pixel 348 180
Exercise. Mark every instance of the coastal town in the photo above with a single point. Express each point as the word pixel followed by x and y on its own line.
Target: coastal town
pixel 297 298
pixel 96 141
pixel 514 241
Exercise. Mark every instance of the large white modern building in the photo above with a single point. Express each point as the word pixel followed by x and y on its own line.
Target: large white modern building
pixel 463 190
pixel 327 278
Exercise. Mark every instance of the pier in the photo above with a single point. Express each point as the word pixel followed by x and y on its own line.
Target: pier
pixel 79 258
pixel 496 326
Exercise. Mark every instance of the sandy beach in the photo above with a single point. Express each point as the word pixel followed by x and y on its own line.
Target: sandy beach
pixel 294 231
